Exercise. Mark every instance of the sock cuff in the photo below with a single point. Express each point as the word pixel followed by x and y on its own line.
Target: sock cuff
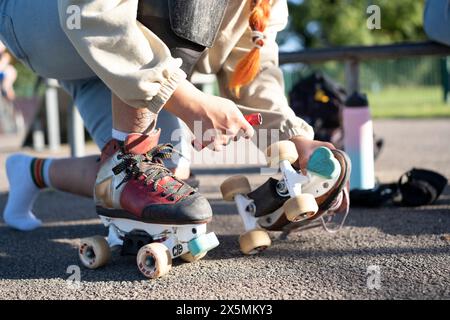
pixel 40 172
pixel 46 175
pixel 119 135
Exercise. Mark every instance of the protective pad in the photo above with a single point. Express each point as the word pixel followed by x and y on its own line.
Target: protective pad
pixel 197 20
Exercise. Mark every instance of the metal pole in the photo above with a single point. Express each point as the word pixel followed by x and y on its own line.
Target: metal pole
pixel 445 75
pixel 38 136
pixel 352 76
pixel 76 133
pixel 53 130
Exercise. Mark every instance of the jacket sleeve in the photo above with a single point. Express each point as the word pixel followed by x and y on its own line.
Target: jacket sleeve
pixel 266 93
pixel 132 61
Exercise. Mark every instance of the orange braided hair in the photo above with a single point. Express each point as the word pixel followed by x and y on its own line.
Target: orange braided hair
pixel 248 68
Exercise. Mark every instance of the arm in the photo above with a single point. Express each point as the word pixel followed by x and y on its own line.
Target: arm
pixel 134 63
pixel 266 93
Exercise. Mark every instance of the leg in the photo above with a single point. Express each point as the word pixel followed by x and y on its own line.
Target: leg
pixel 93 100
pixel 127 119
pixel 79 180
pixel 176 133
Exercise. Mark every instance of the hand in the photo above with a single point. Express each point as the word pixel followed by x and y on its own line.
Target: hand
pixel 219 119
pixel 306 147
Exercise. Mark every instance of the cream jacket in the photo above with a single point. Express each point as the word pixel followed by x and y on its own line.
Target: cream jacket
pixel 137 66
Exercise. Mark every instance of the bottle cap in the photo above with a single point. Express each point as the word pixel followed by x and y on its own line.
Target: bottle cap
pixel 357 99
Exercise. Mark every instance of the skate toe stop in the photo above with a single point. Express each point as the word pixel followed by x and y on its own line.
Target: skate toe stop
pixel 323 163
pixel 203 244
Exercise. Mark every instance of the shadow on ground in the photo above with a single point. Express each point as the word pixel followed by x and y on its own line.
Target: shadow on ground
pixel 426 220
pixel 47 252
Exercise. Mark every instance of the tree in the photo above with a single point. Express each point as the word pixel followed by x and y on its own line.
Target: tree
pixel 323 23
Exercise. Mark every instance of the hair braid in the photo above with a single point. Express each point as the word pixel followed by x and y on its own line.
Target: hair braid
pixel 247 69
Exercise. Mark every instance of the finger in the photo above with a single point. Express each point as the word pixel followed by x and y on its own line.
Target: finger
pixel 239 135
pixel 328 145
pixel 248 130
pixel 218 147
pixel 198 146
pixel 229 141
pixel 220 144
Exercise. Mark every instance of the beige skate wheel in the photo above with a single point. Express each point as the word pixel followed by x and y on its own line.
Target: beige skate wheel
pixel 154 260
pixel 300 207
pixel 254 241
pixel 233 186
pixel 280 151
pixel 94 252
pixel 188 257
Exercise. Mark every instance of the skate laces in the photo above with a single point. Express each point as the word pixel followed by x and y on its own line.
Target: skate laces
pixel 150 165
pixel 325 224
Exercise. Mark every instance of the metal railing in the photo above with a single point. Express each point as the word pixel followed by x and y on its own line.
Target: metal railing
pixel 352 56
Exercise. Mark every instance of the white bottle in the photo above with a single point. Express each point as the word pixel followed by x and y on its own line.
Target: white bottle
pixel 358 141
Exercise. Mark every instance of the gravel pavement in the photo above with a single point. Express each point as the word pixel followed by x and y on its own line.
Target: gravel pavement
pixel 407 246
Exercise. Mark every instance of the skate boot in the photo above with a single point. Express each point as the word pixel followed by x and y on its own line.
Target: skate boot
pixel 149 212
pixel 294 201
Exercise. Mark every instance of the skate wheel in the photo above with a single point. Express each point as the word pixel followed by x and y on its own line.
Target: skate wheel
pixel 280 151
pixel 300 207
pixel 254 241
pixel 94 252
pixel 188 257
pixel 154 260
pixel 233 186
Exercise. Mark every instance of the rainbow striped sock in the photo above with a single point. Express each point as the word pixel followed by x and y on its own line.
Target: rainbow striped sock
pixel 39 172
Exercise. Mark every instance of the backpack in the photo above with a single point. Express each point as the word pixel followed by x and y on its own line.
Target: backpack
pixel 319 101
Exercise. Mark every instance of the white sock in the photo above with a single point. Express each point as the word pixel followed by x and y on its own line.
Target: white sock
pixel 46 173
pixel 22 192
pixel 119 135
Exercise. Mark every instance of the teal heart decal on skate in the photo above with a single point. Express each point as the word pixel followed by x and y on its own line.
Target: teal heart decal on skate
pixel 323 163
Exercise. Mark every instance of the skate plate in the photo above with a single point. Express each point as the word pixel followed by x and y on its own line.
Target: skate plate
pixel 154 244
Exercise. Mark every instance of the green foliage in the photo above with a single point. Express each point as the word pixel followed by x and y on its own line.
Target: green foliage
pixel 409 102
pixel 26 81
pixel 323 23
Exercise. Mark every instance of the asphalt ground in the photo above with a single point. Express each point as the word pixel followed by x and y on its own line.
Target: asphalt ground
pixel 408 248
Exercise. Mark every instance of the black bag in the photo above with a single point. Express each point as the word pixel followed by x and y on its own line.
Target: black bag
pixel 319 101
pixel 417 187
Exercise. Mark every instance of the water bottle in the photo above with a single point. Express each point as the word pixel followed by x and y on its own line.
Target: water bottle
pixel 358 141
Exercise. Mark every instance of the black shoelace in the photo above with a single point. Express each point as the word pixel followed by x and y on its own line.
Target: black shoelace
pixel 150 165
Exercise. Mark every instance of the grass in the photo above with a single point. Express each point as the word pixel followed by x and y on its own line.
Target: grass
pixel 409 102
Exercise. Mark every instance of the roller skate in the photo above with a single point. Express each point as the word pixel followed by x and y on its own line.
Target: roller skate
pixel 293 202
pixel 148 211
